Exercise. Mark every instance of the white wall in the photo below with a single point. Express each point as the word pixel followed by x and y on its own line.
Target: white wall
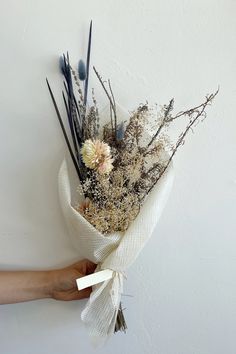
pixel 183 284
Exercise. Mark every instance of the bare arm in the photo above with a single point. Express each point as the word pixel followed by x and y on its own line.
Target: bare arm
pixel 59 284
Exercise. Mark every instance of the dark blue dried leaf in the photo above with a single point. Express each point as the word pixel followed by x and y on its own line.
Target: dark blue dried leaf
pixel 87 64
pixel 64 132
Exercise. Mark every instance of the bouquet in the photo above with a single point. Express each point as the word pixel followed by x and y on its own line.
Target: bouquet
pixel 124 166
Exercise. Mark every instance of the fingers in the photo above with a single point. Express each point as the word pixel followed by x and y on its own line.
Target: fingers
pixel 78 295
pixel 73 294
pixel 84 267
pixel 90 267
pixel 83 294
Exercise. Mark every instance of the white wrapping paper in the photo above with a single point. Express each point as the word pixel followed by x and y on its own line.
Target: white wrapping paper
pixel 115 252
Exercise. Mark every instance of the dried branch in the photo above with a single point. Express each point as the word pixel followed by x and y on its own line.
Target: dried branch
pixel 199 113
pixel 164 121
pixel 110 98
pixel 195 109
pixel 114 107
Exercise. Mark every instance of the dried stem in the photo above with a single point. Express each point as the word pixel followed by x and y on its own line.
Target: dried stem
pixel 183 135
pixel 195 109
pixel 164 121
pixel 110 98
pixel 114 106
pixel 120 321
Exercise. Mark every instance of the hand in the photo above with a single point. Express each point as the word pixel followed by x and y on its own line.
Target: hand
pixel 63 281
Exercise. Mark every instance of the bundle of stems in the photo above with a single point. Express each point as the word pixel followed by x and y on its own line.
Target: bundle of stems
pixel 76 110
pixel 112 201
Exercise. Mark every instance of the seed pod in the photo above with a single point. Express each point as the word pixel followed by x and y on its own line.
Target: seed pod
pixel 120 131
pixel 62 64
pixel 81 70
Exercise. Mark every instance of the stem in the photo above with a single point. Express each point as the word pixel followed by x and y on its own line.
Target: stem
pixel 108 96
pixel 181 139
pixel 114 105
pixel 64 132
pixel 164 121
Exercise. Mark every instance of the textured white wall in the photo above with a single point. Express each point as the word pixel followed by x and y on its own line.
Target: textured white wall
pixel 184 282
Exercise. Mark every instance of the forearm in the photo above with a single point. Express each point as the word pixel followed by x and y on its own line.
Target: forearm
pixel 59 284
pixel 18 286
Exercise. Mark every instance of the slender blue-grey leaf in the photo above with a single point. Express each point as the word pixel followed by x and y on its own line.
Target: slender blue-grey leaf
pixel 70 120
pixel 77 117
pixel 71 109
pixel 64 131
pixel 87 64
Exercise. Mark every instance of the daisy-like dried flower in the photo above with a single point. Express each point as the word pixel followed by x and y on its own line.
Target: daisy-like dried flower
pixel 97 156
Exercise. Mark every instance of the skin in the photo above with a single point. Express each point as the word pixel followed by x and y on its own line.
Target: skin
pixel 58 284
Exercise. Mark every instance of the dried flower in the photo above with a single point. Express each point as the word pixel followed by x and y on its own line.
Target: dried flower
pixel 97 156
pixel 84 206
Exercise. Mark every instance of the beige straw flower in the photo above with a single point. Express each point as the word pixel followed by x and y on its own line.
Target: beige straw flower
pixel 97 155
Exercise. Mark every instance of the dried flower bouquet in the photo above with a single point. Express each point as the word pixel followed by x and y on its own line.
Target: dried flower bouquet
pixel 125 175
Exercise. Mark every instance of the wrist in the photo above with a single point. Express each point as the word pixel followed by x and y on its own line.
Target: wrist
pixel 49 283
pixel 43 284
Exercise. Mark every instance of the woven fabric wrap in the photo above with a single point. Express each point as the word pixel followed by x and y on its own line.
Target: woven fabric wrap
pixel 116 251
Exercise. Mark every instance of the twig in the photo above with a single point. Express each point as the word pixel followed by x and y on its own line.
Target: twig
pixel 112 128
pixel 192 110
pixel 164 121
pixel 181 138
pixel 114 107
pixel 108 96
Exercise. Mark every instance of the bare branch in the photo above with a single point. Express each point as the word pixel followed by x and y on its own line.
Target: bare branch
pixel 192 110
pixel 164 121
pixel 110 98
pixel 114 106
pixel 199 113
